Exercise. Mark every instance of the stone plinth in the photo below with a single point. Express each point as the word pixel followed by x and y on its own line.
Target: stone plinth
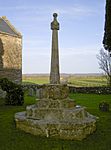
pixel 54 117
pixel 76 127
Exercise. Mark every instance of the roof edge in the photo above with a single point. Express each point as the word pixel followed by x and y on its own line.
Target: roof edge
pixel 11 26
pixel 17 36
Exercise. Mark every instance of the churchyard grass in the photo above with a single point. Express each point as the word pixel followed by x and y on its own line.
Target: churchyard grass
pixel 14 139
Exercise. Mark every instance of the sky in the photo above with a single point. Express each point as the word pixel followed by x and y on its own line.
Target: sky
pixel 80 35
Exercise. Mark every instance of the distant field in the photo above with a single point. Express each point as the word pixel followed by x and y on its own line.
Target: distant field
pixel 35 79
pixel 76 80
pixel 87 81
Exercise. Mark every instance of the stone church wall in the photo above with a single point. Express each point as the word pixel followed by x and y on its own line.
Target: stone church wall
pixel 11 57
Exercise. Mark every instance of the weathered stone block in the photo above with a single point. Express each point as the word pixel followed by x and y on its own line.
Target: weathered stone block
pixel 53 91
pixel 71 130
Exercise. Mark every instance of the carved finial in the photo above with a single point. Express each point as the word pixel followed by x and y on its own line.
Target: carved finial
pixel 55 24
pixel 55 15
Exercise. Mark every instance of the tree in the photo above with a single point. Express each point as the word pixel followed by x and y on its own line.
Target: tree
pixel 107 28
pixel 105 64
pixel 105 57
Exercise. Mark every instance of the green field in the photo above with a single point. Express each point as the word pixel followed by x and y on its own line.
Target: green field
pixel 78 81
pixel 35 79
pixel 88 81
pixel 14 139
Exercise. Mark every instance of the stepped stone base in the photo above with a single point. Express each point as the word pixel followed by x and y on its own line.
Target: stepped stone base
pixel 76 129
pixel 53 117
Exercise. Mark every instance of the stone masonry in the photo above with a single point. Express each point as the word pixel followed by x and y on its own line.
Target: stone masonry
pixel 54 74
pixel 10 51
pixel 56 115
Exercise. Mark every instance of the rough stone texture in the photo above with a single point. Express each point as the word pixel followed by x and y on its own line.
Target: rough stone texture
pixel 90 90
pixel 59 118
pixel 11 55
pixel 71 130
pixel 53 91
pixel 14 75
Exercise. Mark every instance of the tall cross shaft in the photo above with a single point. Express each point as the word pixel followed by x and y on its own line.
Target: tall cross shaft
pixel 54 73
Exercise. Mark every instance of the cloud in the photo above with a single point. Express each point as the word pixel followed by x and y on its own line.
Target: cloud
pixel 78 51
pixel 75 10
pixel 19 8
pixel 28 14
pixel 36 42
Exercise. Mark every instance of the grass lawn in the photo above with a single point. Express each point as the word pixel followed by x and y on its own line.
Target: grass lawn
pixel 14 139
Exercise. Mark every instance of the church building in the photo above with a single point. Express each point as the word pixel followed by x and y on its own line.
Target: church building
pixel 10 51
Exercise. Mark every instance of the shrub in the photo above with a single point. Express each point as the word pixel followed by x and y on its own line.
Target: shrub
pixel 15 94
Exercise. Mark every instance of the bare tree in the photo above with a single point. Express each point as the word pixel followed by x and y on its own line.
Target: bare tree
pixel 105 64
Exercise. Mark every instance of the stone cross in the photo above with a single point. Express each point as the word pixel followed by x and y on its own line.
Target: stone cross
pixel 54 73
